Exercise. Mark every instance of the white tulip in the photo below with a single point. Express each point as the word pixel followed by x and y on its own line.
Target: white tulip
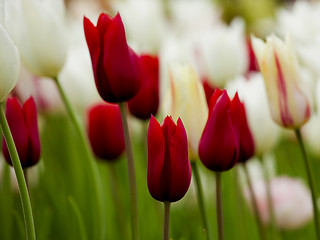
pixel 9 64
pixel 38 29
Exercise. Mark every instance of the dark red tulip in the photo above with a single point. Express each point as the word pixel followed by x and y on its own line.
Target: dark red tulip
pixel 169 171
pixel 146 102
pixel 23 125
pixel 115 65
pixel 219 145
pixel 105 131
pixel 246 139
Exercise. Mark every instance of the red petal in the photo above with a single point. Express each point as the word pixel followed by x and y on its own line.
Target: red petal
pixel 31 121
pixel 146 102
pixel 18 130
pixel 246 140
pixel 105 131
pixel 156 151
pixel 214 98
pixel 121 64
pixel 180 170
pixel 218 148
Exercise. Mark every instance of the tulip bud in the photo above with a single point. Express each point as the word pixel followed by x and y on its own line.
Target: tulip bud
pixel 38 29
pixel 219 145
pixel 146 102
pixel 289 101
pixel 24 129
pixel 105 131
pixel 186 99
pixel 246 140
pixel 115 65
pixel 9 64
pixel 169 170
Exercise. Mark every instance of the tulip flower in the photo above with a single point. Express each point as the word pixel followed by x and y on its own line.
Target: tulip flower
pixel 246 147
pixel 38 29
pixel 169 171
pixel 9 64
pixel 146 102
pixel 24 128
pixel 219 144
pixel 186 99
pixel 289 101
pixel 105 131
pixel 116 66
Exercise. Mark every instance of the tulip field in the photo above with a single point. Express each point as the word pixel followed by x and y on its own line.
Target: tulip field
pixel 157 119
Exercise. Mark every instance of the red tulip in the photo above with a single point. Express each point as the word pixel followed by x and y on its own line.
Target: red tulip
pixel 246 140
pixel 23 125
pixel 115 65
pixel 146 102
pixel 105 131
pixel 208 90
pixel 219 145
pixel 169 171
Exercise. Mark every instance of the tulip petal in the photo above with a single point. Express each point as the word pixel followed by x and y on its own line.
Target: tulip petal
pixel 218 148
pixel 9 64
pixel 120 62
pixel 18 130
pixel 30 117
pixel 214 98
pixel 156 154
pixel 180 170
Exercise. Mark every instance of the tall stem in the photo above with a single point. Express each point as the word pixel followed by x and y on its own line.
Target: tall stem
pixel 269 196
pixel 91 164
pixel 201 203
pixel 219 206
pixel 132 174
pixel 166 220
pixel 311 183
pixel 254 204
pixel 24 195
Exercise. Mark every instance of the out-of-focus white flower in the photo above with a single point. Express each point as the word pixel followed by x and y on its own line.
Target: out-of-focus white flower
pixel 144 21
pixel 38 29
pixel 252 92
pixel 291 200
pixel 224 51
pixel 186 99
pixel 289 98
pixel 9 63
pixel 311 130
pixel 303 23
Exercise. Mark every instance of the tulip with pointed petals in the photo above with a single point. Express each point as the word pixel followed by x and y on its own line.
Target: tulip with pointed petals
pixel 116 66
pixel 105 131
pixel 288 96
pixel 146 102
pixel 23 124
pixel 219 146
pixel 169 170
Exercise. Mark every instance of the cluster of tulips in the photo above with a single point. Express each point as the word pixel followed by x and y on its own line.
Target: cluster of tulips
pixel 199 122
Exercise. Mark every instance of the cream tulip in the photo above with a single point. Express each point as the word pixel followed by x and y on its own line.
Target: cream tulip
pixel 186 99
pixel 9 64
pixel 38 29
pixel 289 99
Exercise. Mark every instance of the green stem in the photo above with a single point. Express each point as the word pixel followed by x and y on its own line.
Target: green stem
pixel 76 210
pixel 131 172
pixel 201 203
pixel 166 220
pixel 91 163
pixel 311 183
pixel 269 196
pixel 24 195
pixel 254 204
pixel 219 206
